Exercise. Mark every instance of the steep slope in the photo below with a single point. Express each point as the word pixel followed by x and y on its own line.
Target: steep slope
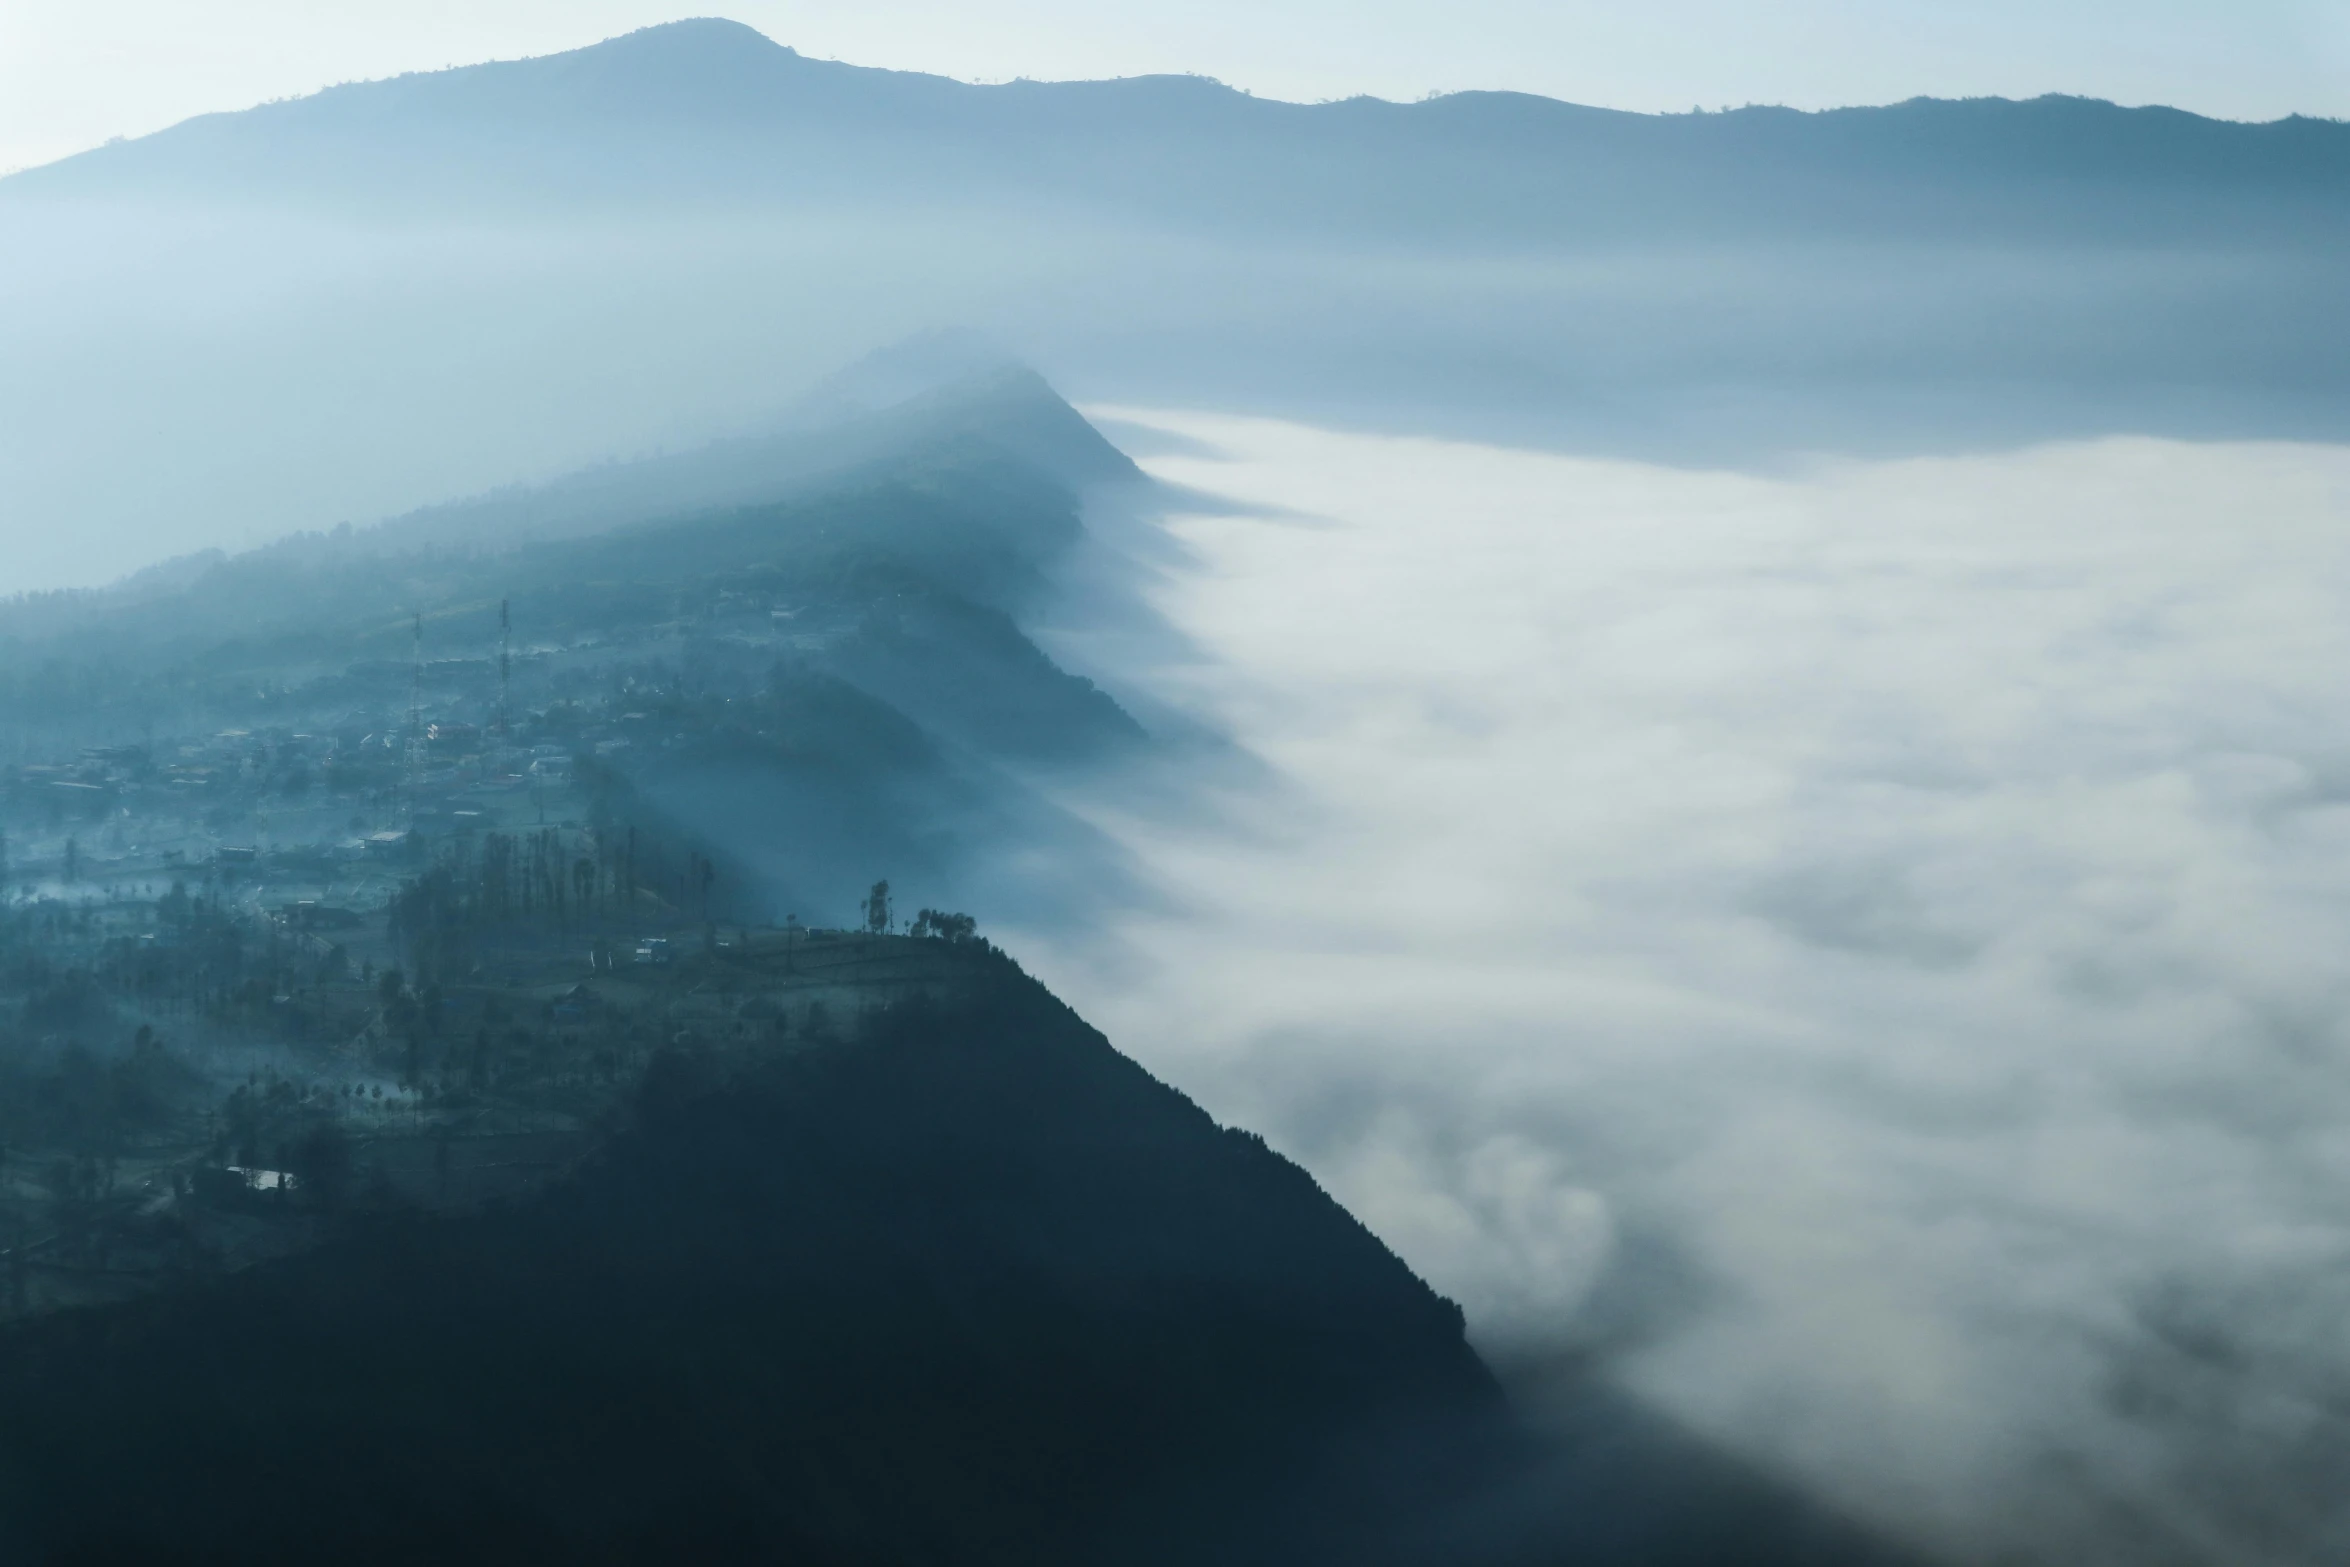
pixel 972 1289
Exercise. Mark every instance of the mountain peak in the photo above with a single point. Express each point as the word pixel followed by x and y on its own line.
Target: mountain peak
pixel 703 35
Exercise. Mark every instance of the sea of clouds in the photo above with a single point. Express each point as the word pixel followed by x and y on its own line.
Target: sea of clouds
pixel 1861 953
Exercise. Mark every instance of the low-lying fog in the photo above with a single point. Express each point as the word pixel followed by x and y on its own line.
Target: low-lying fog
pixel 1862 950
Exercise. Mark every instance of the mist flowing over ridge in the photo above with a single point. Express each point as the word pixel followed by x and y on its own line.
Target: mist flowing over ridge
pixel 1851 952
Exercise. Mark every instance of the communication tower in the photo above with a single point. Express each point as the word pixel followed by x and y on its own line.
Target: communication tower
pixel 414 760
pixel 505 666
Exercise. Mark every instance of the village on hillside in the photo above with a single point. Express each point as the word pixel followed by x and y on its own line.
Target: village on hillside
pixel 427 978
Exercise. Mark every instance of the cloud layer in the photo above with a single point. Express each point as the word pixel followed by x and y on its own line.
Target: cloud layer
pixel 1860 948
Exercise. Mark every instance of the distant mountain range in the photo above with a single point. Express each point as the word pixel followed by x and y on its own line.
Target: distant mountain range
pixel 358 303
pixel 712 112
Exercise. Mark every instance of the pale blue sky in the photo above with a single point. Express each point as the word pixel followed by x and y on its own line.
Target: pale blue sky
pixel 74 72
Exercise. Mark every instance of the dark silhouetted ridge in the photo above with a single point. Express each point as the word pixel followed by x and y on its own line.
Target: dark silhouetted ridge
pixel 973 1288
pixel 976 1288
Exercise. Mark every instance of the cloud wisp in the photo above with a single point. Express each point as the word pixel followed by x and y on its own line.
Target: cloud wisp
pixel 1858 950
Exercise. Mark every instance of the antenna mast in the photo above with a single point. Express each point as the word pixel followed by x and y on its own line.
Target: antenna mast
pixel 415 756
pixel 505 663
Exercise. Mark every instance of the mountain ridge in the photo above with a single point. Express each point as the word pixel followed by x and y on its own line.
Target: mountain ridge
pixel 989 404
pixel 650 99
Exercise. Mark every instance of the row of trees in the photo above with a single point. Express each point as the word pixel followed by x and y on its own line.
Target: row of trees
pixel 935 924
pixel 553 878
